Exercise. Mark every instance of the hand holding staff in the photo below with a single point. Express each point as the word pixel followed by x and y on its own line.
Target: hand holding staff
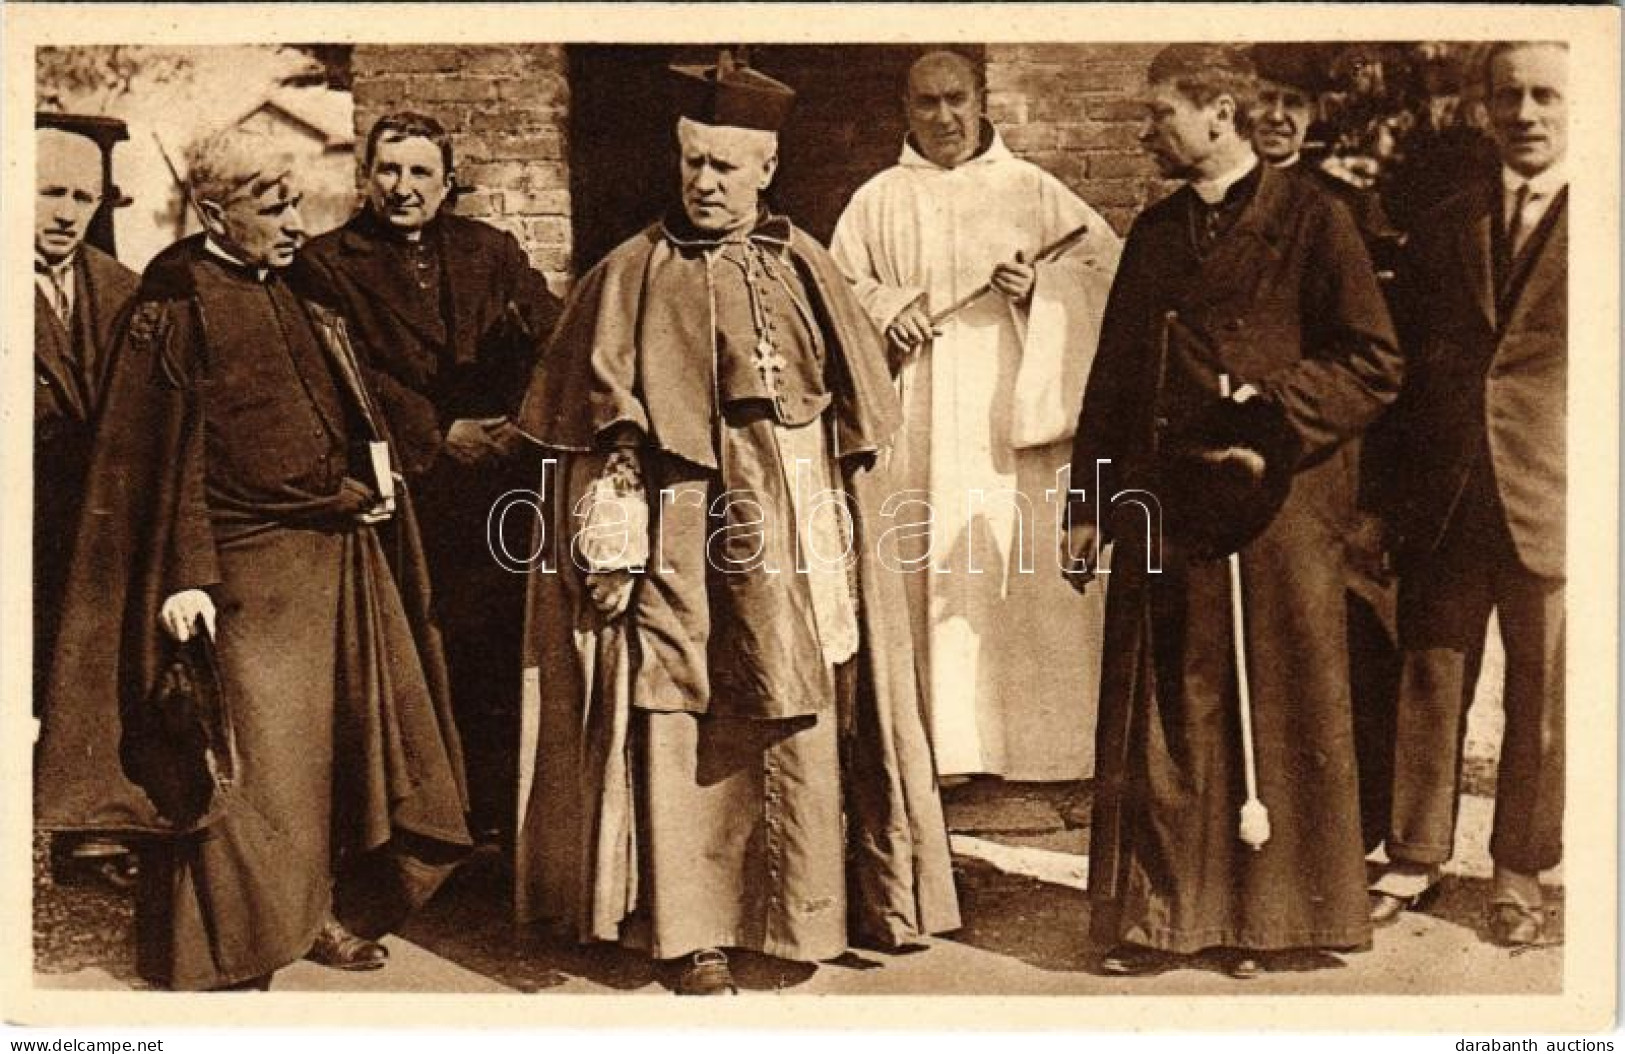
pixel 1053 251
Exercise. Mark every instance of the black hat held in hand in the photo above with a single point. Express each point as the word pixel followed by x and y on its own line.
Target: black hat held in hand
pixel 1222 480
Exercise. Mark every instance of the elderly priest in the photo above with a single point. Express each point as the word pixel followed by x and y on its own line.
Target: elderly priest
pixel 727 744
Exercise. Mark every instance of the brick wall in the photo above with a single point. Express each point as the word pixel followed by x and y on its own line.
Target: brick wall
pixel 1070 109
pixel 507 108
pixel 848 123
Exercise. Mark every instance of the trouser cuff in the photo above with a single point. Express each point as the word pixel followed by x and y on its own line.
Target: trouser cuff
pixel 1413 853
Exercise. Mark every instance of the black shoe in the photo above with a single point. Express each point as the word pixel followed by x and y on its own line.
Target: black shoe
pixel 94 862
pixel 338 948
pixel 1387 907
pixel 119 873
pixel 707 973
pixel 1514 926
pixel 1134 960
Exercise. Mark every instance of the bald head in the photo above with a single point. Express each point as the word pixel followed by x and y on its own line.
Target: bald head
pixel 68 191
pixel 943 99
pixel 944 61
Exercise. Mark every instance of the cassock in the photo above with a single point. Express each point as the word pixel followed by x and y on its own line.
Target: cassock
pixel 737 761
pixel 1280 295
pixel 449 327
pixel 71 357
pixel 233 438
pixel 1373 594
pixel 1008 654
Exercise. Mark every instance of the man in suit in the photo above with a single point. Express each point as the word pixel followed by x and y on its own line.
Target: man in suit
pixel 80 292
pixel 451 318
pixel 1481 502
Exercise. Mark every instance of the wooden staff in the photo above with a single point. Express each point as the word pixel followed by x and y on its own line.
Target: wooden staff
pixel 1053 251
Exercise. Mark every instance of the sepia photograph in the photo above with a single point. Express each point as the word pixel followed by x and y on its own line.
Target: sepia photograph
pixel 579 507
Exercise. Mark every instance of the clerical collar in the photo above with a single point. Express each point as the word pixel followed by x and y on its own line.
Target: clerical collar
pixel 215 249
pixel 769 227
pixel 1543 184
pixel 1212 191
pixel 1291 162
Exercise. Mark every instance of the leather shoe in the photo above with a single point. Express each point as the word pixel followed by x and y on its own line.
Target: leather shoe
pixel 117 870
pixel 119 873
pixel 1134 960
pixel 340 949
pixel 1243 966
pixel 707 973
pixel 1387 907
pixel 1513 925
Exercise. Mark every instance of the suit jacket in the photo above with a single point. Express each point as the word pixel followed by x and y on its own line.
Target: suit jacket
pixel 470 359
pixel 70 362
pixel 1486 388
pixel 70 371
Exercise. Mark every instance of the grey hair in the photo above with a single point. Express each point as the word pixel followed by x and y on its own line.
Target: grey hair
pixel 764 143
pixel 223 165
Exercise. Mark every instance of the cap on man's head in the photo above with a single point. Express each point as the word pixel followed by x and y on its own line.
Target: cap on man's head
pixel 1302 66
pixel 732 95
pixel 105 131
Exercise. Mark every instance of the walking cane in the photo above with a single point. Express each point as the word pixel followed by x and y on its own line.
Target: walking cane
pixel 1255 819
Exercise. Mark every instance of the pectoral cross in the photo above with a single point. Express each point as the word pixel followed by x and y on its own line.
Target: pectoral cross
pixel 769 363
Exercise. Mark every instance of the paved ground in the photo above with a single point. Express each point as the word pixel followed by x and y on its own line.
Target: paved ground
pixel 1021 858
pixel 1021 864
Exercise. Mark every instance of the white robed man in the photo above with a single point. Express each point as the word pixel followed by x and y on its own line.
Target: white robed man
pixel 1002 651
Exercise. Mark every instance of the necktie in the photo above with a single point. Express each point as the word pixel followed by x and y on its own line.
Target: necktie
pixel 59 292
pixel 1517 229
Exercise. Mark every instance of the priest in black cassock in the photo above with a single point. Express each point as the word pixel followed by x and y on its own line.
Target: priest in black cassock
pixel 449 317
pixel 1248 273
pixel 725 747
pixel 239 490
pixel 1292 78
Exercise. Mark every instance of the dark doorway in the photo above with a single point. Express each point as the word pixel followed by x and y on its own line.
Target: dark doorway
pixel 846 126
